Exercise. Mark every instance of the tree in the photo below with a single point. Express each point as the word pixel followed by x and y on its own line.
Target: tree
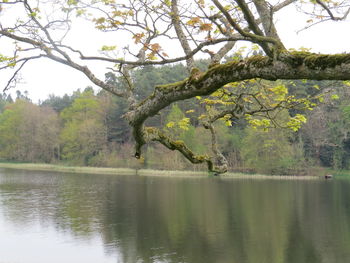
pixel 28 133
pixel 84 133
pixel 152 29
pixel 57 103
pixel 271 152
pixel 2 102
pixel 326 134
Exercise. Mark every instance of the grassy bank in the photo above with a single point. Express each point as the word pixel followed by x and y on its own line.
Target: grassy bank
pixel 66 169
pixel 141 172
pixel 342 173
pixel 97 170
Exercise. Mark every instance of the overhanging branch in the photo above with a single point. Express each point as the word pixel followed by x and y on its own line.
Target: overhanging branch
pixel 215 164
pixel 295 65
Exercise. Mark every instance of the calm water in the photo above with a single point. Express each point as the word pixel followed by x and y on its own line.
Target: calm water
pixel 72 218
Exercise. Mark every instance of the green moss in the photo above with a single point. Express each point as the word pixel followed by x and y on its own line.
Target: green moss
pixel 146 99
pixel 259 61
pixel 151 130
pixel 301 54
pixel 195 71
pixel 295 58
pixel 213 65
pixel 164 89
pixel 326 61
pixel 202 158
pixel 179 143
pixel 312 60
pixel 171 86
pixel 223 69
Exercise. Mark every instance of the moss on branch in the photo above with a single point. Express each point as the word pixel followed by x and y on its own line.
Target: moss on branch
pixel 154 134
pixel 172 86
pixel 326 61
pixel 314 61
pixel 259 61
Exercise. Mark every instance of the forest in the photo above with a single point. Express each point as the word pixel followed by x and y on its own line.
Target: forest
pixel 88 128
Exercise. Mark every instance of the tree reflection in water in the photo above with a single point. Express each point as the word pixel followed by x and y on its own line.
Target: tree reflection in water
pixel 154 219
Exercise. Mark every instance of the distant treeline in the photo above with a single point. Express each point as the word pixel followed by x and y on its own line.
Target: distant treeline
pixel 88 129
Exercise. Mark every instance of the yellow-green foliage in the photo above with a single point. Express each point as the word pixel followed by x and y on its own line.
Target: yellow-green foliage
pixel 83 134
pixel 295 122
pixel 270 152
pixel 177 122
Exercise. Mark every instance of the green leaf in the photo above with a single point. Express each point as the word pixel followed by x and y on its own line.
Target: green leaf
pixel 296 122
pixel 184 123
pixel 228 123
pixel 170 124
pixel 12 64
pixel 72 2
pixel 108 48
pixel 335 97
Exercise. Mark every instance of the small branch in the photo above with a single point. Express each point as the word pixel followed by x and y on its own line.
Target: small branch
pixel 181 35
pixel 261 40
pixel 168 61
pixel 65 61
pixel 220 163
pixel 249 17
pixel 325 7
pixel 7 87
pixel 266 13
pixel 218 166
pixel 46 32
pixel 24 60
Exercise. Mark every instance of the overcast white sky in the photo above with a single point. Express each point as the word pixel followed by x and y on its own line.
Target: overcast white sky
pixel 44 77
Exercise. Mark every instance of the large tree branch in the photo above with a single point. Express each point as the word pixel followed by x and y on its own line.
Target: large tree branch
pixel 297 65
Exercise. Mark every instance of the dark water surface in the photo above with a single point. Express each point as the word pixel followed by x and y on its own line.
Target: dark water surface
pixel 76 218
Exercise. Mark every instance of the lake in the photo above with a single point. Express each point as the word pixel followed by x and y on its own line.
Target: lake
pixel 48 217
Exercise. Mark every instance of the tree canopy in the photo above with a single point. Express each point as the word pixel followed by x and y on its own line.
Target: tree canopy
pixel 233 84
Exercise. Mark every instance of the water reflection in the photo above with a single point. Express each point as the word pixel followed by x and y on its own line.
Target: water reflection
pixel 147 219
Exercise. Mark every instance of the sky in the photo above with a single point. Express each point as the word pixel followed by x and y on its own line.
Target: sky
pixel 44 77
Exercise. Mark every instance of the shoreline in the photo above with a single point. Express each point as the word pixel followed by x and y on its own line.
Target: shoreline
pixel 100 170
pixel 143 172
